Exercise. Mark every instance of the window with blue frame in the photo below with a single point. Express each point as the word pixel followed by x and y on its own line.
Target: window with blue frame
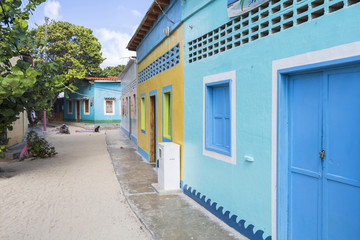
pixel 167 113
pixel 143 113
pixel 218 117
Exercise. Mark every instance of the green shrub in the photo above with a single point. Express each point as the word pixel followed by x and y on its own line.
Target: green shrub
pixel 39 147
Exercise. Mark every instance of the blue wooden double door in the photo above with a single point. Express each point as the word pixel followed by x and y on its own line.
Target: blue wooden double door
pixel 324 155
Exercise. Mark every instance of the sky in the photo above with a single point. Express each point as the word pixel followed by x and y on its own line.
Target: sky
pixel 113 22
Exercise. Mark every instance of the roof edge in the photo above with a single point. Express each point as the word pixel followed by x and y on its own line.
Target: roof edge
pixel 147 22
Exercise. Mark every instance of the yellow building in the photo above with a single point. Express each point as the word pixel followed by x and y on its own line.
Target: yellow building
pixel 160 89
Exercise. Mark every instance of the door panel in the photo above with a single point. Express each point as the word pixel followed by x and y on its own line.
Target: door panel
pixel 305 122
pixel 343 211
pixel 304 166
pixel 342 161
pixel 343 158
pixel 305 200
pixel 324 194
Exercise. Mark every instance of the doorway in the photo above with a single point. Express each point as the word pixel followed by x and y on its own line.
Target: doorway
pixel 319 177
pixel 78 111
pixel 152 152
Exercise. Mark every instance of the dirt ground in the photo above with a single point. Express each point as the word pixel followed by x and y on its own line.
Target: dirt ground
pixel 74 195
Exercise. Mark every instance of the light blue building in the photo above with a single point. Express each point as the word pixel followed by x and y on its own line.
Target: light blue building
pixel 271 115
pixel 97 100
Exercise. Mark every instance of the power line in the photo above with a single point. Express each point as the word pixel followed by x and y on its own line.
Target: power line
pixel 164 12
pixel 73 91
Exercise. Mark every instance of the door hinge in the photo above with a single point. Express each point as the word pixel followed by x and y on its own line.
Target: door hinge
pixel 322 154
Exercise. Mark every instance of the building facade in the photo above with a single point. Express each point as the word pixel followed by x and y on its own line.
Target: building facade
pixel 159 47
pixel 271 113
pixel 129 100
pixel 97 100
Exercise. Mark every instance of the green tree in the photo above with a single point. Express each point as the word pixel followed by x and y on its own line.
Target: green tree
pixel 22 86
pixel 74 46
pixel 14 80
pixel 112 71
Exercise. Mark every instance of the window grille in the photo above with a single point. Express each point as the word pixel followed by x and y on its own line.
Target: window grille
pixel 161 64
pixel 269 18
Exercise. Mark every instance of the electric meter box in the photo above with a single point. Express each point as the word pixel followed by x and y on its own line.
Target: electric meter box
pixel 169 165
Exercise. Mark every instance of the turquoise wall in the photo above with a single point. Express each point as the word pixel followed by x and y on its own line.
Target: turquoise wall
pixel 107 89
pixel 98 90
pixel 155 35
pixel 87 90
pixel 244 189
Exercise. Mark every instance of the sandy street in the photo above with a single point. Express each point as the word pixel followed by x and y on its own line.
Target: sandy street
pixel 74 195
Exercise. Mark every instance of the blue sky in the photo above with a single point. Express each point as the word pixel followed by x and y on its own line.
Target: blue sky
pixel 112 21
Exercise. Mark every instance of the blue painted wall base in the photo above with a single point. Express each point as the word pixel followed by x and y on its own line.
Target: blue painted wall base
pixel 134 139
pixel 125 131
pixel 225 217
pixel 143 153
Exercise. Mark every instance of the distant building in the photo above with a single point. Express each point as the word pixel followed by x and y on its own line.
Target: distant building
pixel 97 100
pixel 129 100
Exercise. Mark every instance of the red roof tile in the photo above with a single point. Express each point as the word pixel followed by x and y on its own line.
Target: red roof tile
pixel 103 78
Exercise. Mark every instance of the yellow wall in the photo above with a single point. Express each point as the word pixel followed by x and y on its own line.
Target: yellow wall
pixel 19 129
pixel 175 77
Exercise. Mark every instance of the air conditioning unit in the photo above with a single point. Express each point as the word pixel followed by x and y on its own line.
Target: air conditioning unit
pixel 169 165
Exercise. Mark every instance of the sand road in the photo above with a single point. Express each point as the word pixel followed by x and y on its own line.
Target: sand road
pixel 74 195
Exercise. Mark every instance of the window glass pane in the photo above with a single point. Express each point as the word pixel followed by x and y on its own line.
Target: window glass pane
pixel 167 115
pixel 70 106
pixel 87 105
pixel 109 106
pixel 142 118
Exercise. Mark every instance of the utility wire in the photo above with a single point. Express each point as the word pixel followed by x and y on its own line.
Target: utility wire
pixel 109 89
pixel 73 91
pixel 164 12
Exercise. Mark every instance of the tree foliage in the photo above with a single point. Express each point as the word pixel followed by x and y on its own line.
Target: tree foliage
pixel 22 86
pixel 112 71
pixel 74 46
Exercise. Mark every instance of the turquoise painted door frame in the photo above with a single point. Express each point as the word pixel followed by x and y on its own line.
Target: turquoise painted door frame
pixel 318 196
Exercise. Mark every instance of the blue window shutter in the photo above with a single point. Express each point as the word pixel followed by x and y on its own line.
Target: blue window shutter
pixel 217 118
pixel 227 122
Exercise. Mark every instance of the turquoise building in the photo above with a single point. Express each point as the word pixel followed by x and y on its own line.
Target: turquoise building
pixel 97 100
pixel 271 115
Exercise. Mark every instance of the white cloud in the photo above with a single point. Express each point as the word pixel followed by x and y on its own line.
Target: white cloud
pixel 114 47
pixel 51 10
pixel 136 13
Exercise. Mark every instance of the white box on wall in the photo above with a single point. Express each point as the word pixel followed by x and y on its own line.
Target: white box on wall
pixel 169 165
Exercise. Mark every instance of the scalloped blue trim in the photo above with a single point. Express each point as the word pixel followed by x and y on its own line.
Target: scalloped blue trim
pixel 225 217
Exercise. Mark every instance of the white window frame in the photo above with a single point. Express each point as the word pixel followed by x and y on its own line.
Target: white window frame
pixel 86 113
pixel 213 79
pixel 68 109
pixel 113 107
